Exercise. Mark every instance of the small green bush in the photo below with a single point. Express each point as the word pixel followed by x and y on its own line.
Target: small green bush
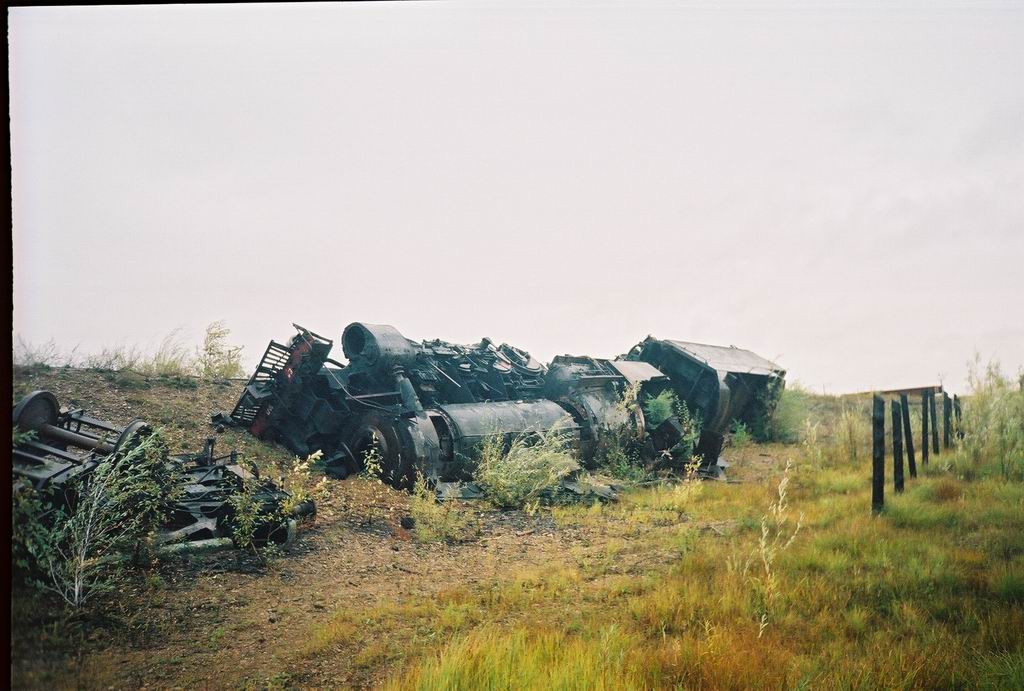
pixel 691 433
pixel 618 451
pixel 616 448
pixel 616 457
pixel 435 521
pixel 78 552
pixel 300 482
pixel 247 515
pixel 532 465
pixel 992 426
pixel 789 420
pixel 215 359
pixel 659 408
pixel 739 435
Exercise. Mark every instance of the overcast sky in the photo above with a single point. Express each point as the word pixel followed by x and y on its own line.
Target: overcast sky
pixel 839 190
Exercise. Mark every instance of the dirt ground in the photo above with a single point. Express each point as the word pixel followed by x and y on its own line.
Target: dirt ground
pixel 228 621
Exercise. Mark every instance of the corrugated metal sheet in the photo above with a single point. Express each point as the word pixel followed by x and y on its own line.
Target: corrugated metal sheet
pixel 727 359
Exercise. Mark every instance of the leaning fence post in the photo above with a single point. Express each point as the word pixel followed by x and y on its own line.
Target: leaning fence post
pixel 924 428
pixel 935 423
pixel 908 434
pixel 877 454
pixel 947 406
pixel 897 447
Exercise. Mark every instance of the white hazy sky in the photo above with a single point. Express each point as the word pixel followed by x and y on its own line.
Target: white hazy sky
pixel 841 190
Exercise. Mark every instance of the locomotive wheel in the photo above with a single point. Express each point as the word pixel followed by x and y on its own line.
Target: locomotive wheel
pixel 380 432
pixel 136 426
pixel 36 410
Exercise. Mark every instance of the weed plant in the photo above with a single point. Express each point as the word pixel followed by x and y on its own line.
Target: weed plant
pixel 790 417
pixel 78 550
pixel 214 359
pixel 992 426
pixel 739 435
pixel 533 464
pixel 435 521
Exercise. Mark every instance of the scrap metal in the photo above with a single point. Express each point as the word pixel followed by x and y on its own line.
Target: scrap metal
pixel 723 385
pixel 69 445
pixel 424 407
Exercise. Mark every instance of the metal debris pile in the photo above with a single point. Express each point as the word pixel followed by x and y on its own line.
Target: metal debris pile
pixel 69 445
pixel 425 407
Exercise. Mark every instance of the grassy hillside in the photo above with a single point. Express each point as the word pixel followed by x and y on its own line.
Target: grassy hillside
pixel 778 579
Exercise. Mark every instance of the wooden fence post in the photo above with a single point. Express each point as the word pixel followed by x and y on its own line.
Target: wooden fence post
pixel 897 447
pixel 946 422
pixel 908 434
pixel 935 423
pixel 877 454
pixel 958 414
pixel 924 428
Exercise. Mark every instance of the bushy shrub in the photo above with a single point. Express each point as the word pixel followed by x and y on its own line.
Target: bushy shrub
pixel 300 484
pixel 992 426
pixel 739 435
pixel 532 464
pixel 435 521
pixel 691 433
pixel 789 420
pixel 215 359
pixel 666 404
pixel 247 514
pixel 659 408
pixel 618 451
pixel 80 550
pixel 617 455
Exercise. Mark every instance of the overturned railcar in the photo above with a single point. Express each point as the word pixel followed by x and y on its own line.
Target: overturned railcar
pixel 722 385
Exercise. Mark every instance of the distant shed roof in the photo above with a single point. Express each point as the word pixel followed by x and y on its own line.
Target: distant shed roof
pixel 727 359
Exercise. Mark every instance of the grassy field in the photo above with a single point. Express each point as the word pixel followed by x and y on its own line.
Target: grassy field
pixel 928 595
pixel 780 578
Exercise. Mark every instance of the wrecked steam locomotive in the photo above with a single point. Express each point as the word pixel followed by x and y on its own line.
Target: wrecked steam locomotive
pixel 426 406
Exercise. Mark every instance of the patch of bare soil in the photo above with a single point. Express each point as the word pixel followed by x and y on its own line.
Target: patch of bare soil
pixel 229 621
pixel 754 462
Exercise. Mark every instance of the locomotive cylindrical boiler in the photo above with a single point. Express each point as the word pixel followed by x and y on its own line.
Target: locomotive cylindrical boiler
pixel 470 424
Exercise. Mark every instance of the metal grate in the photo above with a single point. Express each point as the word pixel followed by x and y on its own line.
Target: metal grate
pixel 273 361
